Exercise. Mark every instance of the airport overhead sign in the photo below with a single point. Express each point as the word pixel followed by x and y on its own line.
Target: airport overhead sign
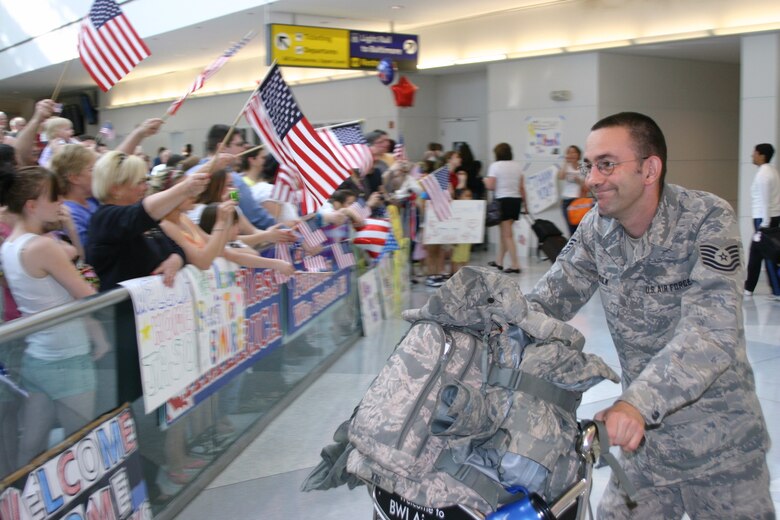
pixel 318 47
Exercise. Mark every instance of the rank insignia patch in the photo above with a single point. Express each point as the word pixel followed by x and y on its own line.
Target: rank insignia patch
pixel 720 258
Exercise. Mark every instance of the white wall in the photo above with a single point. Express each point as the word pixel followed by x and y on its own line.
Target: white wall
pixel 464 96
pixel 418 124
pixel 695 103
pixel 518 90
pixel 335 101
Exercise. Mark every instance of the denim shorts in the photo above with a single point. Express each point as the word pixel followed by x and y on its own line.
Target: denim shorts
pixel 59 378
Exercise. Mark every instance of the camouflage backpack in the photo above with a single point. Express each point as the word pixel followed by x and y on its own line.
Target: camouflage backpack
pixel 480 394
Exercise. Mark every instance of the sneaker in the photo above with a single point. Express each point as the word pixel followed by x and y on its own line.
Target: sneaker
pixel 433 281
pixel 747 294
pixel 774 298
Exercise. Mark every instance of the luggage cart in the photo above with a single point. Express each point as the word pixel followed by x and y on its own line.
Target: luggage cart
pixel 573 504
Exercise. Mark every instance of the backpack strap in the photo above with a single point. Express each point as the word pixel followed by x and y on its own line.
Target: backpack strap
pixel 617 469
pixel 490 490
pixel 515 379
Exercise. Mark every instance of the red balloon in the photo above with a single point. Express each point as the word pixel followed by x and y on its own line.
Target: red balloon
pixel 404 92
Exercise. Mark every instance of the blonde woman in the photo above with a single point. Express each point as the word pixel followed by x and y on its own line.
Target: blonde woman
pixel 73 164
pixel 125 239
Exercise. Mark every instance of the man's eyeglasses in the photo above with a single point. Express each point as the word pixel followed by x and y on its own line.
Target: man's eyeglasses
pixel 605 167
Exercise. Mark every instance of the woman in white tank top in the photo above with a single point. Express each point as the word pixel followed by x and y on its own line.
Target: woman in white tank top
pixel 57 367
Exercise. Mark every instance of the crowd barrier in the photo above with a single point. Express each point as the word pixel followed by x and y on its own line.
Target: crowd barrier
pixel 219 356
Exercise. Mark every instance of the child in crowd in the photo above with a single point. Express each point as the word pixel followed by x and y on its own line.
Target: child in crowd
pixel 461 253
pixel 238 252
pixel 58 131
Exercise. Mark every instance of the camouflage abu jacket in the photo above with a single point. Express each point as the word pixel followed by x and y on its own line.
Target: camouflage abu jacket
pixel 675 316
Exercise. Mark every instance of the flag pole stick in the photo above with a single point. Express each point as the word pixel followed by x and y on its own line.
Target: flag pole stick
pixel 240 114
pixel 337 125
pixel 59 82
pixel 258 147
pixel 241 43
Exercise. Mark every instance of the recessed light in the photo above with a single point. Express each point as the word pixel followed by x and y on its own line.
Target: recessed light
pixel 396 7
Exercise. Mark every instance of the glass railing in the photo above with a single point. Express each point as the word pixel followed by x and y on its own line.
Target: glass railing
pixel 56 398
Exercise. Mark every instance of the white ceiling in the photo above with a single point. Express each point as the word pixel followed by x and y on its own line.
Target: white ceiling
pixel 194 46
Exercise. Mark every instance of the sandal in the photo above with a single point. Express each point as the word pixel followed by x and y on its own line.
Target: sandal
pixel 510 271
pixel 493 264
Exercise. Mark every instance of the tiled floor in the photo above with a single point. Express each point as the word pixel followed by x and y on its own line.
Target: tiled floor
pixel 263 483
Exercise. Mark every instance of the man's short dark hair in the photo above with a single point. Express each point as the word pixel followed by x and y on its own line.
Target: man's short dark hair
pixel 342 195
pixel 371 137
pixel 173 160
pixel 767 150
pixel 645 133
pixel 217 134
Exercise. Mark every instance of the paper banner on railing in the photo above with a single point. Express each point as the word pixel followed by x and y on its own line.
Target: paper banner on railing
pixel 219 312
pixel 95 473
pixel 310 294
pixel 370 301
pixel 167 339
pixel 385 269
pixel 402 275
pixel 263 333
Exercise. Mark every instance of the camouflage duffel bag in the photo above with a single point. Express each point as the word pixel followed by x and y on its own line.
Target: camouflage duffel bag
pixel 401 427
pixel 480 395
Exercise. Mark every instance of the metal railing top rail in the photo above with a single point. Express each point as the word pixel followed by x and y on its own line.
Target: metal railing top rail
pixel 56 315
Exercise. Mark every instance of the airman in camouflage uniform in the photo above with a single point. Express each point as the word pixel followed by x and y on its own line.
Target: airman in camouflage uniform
pixel 667 263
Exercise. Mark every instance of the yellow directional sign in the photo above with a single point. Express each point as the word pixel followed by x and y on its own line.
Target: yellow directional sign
pixel 303 46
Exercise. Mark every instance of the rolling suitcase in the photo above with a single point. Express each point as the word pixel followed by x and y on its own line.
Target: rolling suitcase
pixel 551 239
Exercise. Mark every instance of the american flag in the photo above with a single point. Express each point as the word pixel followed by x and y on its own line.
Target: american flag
pixel 212 69
pixel 286 187
pixel 312 238
pixel 443 176
pixel 282 252
pixel 438 193
pixel 109 47
pixel 399 152
pixel 315 264
pixel 358 211
pixel 391 244
pixel 276 117
pixel 348 144
pixel 107 131
pixel 343 260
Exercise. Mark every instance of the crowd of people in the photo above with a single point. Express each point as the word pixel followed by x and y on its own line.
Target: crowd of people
pixel 78 218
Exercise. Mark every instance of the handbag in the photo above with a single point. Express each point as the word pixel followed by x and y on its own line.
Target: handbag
pixel 493 215
pixel 770 244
